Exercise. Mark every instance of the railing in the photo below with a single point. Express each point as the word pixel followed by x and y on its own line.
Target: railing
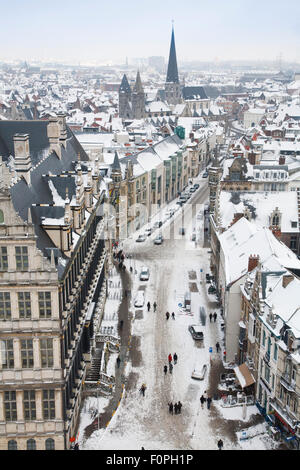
pixel 287 382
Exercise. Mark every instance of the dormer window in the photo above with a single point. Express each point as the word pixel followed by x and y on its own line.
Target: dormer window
pixel 275 220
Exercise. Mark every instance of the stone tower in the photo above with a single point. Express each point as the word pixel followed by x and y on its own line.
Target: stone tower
pixel 172 85
pixel 138 99
pixel 125 107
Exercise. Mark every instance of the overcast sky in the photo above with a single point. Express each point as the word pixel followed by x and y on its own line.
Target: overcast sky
pixel 111 30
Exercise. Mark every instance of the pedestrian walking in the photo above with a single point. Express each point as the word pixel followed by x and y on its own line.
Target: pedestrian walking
pixel 208 402
pixel 205 395
pixel 175 357
pixel 179 406
pixel 167 315
pixel 176 408
pixel 215 316
pixel 154 306
pixel 170 408
pixel 165 369
pixel 143 389
pixel 118 361
pixel 210 317
pixel 220 444
pixel 202 400
pixel 76 446
pixel 148 306
pixel 173 315
pixel 217 347
pixel 170 367
pixel 170 358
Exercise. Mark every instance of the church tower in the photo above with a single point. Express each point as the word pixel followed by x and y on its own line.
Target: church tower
pixel 172 85
pixel 125 108
pixel 138 99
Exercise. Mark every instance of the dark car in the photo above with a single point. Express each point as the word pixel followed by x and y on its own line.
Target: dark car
pixel 196 333
pixel 205 174
pixel 196 186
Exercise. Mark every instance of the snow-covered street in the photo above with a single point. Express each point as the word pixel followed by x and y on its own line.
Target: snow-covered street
pixel 177 267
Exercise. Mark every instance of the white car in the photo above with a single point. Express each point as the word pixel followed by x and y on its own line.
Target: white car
pixel 140 299
pixel 141 238
pixel 199 372
pixel 144 274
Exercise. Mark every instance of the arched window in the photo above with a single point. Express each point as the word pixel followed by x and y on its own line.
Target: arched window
pixel 50 444
pixel 275 220
pixel 1 217
pixel 31 444
pixel 12 445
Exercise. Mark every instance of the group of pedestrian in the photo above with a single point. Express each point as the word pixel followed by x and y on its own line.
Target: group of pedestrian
pixel 170 361
pixel 168 315
pixel 175 408
pixel 213 316
pixel 149 306
pixel 205 398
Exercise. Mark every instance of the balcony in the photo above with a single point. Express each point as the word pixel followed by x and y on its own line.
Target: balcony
pixel 288 383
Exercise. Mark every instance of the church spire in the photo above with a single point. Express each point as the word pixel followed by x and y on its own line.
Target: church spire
pixel 172 73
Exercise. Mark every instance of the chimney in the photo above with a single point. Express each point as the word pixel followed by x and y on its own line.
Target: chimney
pixel 53 133
pixel 281 160
pixel 22 160
pixel 286 279
pixel 252 262
pixel 61 118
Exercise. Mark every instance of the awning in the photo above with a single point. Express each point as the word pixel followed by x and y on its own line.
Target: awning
pixel 244 375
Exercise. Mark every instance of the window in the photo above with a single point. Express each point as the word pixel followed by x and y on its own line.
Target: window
pixel 46 348
pixel 12 445
pixel 273 381
pixel 10 406
pixel 275 355
pixel 7 354
pixel 45 304
pixel 293 242
pixel 21 258
pixel 27 353
pixel 3 258
pixel 294 224
pixel 50 444
pixel 31 444
pixel 267 373
pixel 49 404
pixel 264 338
pixel 29 405
pixel 269 345
pixel 24 304
pixel 5 308
pixel 275 220
pixel 1 217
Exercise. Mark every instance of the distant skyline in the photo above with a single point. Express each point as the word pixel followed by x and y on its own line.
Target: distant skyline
pixel 100 32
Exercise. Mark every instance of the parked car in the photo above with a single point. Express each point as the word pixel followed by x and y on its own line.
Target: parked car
pixel 205 174
pixel 180 203
pixel 196 186
pixel 158 224
pixel 144 274
pixel 140 299
pixel 193 189
pixel 196 332
pixel 148 231
pixel 199 372
pixel 181 231
pixel 158 240
pixel 141 238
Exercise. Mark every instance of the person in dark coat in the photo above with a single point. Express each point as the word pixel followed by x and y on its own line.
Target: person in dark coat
pixel 175 357
pixel 220 444
pixel 165 369
pixel 76 446
pixel 210 317
pixel 148 306
pixel 179 406
pixel 118 361
pixel 170 408
pixel 217 347
pixel 208 402
pixel 173 315
pixel 176 408
pixel 154 306
pixel 202 400
pixel 170 367
pixel 142 389
pixel 215 316
pixel 167 315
